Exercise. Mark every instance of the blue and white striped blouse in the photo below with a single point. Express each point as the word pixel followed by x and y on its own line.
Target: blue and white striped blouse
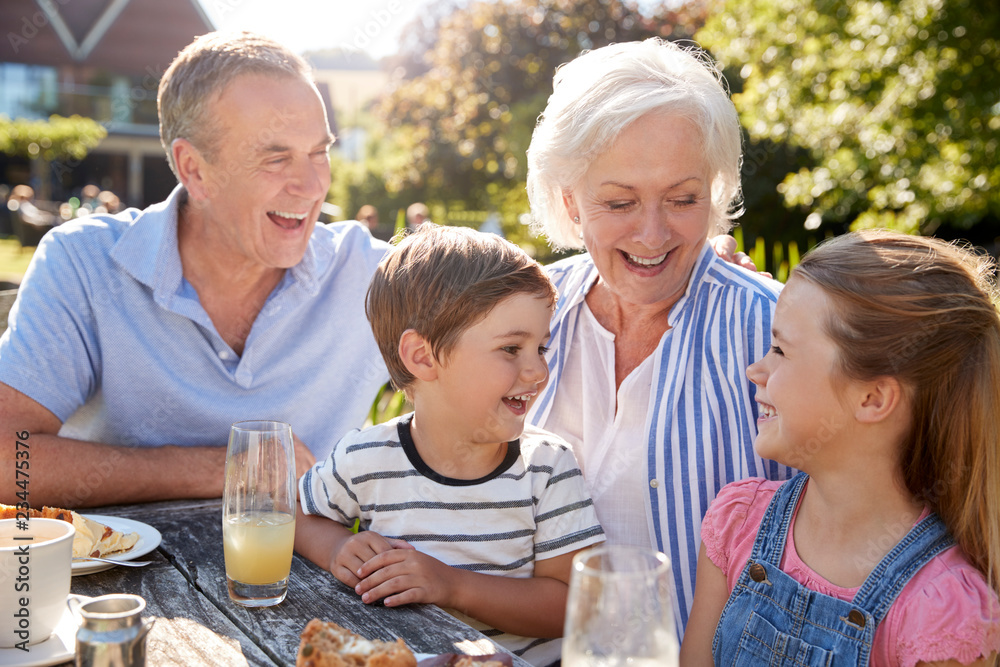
pixel 701 420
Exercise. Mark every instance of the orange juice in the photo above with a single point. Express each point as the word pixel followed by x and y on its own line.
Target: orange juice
pixel 258 547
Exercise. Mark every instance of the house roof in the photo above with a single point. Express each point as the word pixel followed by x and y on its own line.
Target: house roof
pixel 139 37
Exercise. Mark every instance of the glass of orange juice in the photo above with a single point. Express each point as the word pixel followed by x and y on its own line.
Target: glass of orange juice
pixel 258 512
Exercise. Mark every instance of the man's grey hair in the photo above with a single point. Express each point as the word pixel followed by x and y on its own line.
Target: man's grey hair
pixel 202 71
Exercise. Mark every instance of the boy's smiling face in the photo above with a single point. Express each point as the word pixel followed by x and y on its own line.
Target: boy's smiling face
pixel 488 380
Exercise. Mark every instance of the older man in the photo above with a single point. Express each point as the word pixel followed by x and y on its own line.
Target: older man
pixel 137 339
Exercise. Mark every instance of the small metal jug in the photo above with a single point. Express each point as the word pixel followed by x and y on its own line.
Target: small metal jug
pixel 111 632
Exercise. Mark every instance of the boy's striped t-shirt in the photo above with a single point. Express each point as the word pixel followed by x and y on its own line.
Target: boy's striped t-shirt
pixel 533 506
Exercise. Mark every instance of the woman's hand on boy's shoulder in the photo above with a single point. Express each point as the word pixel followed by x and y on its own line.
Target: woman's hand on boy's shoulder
pixel 404 576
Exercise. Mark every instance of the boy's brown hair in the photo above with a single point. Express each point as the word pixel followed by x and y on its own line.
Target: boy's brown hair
pixel 439 281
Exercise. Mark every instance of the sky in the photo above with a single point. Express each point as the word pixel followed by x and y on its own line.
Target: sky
pixel 372 26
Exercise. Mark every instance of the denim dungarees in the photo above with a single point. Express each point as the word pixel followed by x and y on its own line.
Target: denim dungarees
pixel 771 619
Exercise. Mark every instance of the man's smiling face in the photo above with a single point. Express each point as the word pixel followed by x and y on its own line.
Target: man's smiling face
pixel 271 173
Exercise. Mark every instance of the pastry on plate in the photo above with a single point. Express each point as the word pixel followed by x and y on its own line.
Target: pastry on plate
pixel 326 644
pixel 92 537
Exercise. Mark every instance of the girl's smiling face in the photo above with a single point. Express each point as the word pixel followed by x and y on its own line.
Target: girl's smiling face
pixel 800 390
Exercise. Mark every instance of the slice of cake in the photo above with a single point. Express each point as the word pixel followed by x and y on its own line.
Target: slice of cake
pixel 326 644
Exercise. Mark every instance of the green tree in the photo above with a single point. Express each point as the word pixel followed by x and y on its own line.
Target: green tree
pixel 472 81
pixel 57 138
pixel 897 102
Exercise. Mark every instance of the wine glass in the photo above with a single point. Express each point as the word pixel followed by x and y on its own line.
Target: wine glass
pixel 258 512
pixel 620 609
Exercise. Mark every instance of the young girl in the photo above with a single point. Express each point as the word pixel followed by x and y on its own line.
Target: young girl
pixel 883 386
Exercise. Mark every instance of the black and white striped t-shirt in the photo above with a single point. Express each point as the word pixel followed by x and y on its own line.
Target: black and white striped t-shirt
pixel 533 506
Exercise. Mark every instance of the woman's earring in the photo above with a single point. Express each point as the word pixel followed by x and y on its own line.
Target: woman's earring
pixel 577 220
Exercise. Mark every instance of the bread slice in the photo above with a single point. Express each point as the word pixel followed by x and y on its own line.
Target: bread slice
pixel 92 537
pixel 326 644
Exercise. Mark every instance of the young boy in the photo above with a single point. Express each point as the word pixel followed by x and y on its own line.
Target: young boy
pixel 460 504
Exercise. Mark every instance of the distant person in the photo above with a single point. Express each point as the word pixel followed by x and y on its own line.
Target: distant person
pixel 462 320
pixel 417 214
pixel 883 386
pixel 29 222
pixel 137 339
pixel 23 197
pixel 88 197
pixel 368 215
pixel 107 202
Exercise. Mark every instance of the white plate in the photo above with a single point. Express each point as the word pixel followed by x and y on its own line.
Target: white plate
pixel 149 539
pixel 60 647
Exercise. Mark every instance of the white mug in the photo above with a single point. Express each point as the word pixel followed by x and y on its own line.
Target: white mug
pixel 35 570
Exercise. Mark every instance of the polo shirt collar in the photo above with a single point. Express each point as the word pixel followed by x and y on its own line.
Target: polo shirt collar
pixel 147 250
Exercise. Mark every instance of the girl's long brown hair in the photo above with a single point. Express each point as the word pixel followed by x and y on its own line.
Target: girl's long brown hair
pixel 924 311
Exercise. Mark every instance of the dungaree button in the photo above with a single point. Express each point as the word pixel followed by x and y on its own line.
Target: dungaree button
pixel 758 573
pixel 855 617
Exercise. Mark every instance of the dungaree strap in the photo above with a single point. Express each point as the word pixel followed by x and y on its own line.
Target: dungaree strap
pixel 770 545
pixel 924 541
pixel 883 585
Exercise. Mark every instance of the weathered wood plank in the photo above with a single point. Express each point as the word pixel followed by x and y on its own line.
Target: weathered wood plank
pixel 192 541
pixel 189 629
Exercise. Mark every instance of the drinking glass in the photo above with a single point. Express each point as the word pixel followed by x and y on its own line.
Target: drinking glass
pixel 620 610
pixel 258 512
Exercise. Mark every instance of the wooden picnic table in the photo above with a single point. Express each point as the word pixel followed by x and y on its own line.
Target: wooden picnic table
pixel 196 623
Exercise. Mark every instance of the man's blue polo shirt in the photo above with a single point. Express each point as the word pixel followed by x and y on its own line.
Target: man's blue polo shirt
pixel 108 335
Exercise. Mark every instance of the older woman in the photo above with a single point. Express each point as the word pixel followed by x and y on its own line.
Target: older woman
pixel 636 158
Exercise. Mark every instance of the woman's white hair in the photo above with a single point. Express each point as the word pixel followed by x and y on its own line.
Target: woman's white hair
pixel 600 93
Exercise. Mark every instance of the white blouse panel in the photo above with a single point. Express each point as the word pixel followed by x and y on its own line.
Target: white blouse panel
pixel 603 438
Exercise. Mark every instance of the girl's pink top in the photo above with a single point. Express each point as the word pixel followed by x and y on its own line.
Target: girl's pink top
pixel 946 611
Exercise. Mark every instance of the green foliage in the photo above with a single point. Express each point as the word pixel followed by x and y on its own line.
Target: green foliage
pixel 388 404
pixel 58 138
pixel 14 259
pixel 897 102
pixel 777 257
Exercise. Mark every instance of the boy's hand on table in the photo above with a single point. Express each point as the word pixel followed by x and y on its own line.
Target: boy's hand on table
pixel 405 576
pixel 358 550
